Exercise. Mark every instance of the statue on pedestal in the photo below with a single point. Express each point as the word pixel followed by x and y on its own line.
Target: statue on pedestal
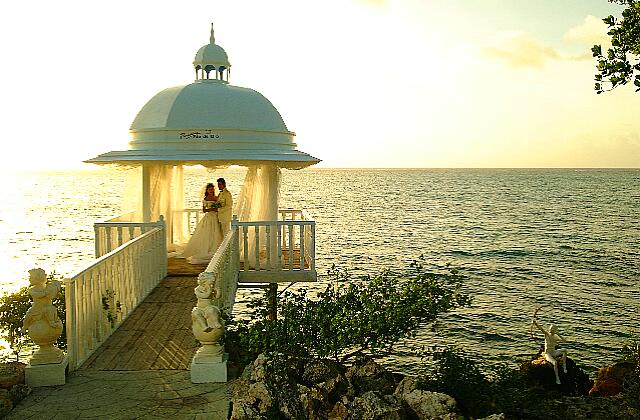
pixel 41 321
pixel 207 323
pixel 551 354
pixel 205 313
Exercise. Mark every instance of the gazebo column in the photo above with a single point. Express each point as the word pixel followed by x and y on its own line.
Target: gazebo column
pixel 146 192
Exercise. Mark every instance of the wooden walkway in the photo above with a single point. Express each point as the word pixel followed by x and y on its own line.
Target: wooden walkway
pixel 157 335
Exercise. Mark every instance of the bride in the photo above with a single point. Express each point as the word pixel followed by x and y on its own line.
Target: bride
pixel 207 236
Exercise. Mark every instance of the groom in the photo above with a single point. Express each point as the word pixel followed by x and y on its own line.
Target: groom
pixel 226 207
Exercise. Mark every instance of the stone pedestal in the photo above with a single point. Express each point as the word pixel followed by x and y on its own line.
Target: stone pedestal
pixel 209 368
pixel 46 375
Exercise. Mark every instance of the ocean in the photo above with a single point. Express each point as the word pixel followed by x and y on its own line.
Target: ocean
pixel 567 240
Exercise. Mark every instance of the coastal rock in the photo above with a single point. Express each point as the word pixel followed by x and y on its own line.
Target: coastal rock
pixel 373 406
pixel 243 411
pixel 610 380
pixel 366 390
pixel 263 389
pixel 317 371
pixel 425 404
pixel 366 375
pixel 255 394
pixel 314 402
pixel 539 372
pixel 494 417
pixel 335 389
pixel 339 411
pixel 257 370
pixel 406 385
pixel 588 408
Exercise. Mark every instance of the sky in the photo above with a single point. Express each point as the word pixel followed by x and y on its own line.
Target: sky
pixel 363 83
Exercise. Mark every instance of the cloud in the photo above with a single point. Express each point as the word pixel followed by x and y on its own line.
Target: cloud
pixel 521 50
pixel 592 31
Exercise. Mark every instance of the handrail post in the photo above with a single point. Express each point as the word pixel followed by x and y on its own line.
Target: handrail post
pixel 236 243
pixel 96 230
pixel 70 322
pixel 163 247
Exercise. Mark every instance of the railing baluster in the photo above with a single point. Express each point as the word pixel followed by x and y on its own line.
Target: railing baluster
pixel 279 244
pixel 301 247
pixel 245 244
pixel 70 322
pixel 96 230
pixel 291 246
pixel 268 234
pixel 108 239
pixel 257 248
pixel 284 237
pixel 313 247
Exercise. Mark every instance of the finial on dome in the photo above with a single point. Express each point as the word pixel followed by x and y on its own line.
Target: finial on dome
pixel 212 39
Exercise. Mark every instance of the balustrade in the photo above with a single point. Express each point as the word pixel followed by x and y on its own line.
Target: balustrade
pixel 110 234
pixel 223 268
pixel 103 294
pixel 282 249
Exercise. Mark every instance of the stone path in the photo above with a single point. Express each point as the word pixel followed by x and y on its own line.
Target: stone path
pixel 150 394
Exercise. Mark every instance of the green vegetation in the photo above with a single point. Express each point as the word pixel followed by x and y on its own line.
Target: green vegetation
pixel 13 308
pixel 480 390
pixel 631 353
pixel 350 316
pixel 621 63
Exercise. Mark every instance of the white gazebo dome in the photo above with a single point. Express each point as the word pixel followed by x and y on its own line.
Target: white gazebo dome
pixel 210 122
pixel 210 104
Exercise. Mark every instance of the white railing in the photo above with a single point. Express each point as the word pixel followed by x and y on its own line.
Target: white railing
pixel 269 247
pixel 286 245
pixel 102 295
pixel 223 269
pixel 190 219
pixel 112 233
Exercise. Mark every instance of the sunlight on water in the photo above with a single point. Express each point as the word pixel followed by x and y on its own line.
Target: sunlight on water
pixel 563 239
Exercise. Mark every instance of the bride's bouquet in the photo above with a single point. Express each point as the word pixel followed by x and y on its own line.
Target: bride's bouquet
pixel 215 205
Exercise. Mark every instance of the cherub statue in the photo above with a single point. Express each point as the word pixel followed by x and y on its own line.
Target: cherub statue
pixel 42 294
pixel 551 354
pixel 205 313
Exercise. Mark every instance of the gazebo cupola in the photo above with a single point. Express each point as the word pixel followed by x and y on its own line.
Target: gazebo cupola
pixel 212 62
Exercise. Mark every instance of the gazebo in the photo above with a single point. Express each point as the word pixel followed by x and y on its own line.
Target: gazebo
pixel 215 124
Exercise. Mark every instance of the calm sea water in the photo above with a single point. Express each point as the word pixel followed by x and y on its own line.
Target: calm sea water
pixel 568 240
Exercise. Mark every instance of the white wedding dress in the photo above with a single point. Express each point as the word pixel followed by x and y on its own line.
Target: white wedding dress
pixel 205 239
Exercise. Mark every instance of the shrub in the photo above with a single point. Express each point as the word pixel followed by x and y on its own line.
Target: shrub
pixel 631 353
pixel 350 316
pixel 455 374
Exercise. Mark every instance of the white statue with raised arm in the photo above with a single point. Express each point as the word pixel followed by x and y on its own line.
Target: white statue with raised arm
pixel 551 354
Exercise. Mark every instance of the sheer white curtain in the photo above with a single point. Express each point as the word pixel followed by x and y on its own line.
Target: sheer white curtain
pixel 258 202
pixel 166 190
pixel 167 199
